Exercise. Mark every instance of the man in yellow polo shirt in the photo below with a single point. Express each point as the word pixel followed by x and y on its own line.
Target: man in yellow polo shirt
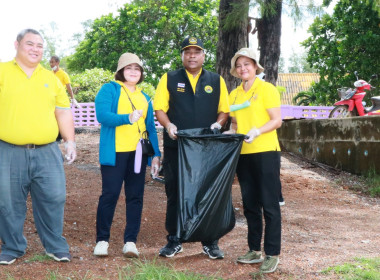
pixel 63 77
pixel 33 108
pixel 190 97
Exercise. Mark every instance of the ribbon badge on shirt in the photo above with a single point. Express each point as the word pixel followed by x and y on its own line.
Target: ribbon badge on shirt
pixel 208 89
pixel 181 87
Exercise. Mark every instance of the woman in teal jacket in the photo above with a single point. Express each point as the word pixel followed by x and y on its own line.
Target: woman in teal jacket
pixel 124 112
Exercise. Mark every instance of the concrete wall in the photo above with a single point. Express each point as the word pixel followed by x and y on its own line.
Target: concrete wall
pixel 351 144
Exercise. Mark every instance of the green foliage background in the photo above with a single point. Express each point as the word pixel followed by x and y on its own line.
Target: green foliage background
pixel 341 44
pixel 87 84
pixel 152 29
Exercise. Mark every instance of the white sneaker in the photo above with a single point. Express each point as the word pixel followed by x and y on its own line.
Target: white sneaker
pixel 101 248
pixel 130 250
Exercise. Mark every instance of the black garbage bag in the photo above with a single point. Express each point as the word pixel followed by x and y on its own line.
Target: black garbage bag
pixel 206 166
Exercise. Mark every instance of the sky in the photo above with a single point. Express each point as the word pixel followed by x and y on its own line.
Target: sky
pixel 69 14
pixel 16 15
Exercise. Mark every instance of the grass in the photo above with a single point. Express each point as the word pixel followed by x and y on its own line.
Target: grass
pixel 39 258
pixel 139 270
pixel 362 269
pixel 151 271
pixel 373 182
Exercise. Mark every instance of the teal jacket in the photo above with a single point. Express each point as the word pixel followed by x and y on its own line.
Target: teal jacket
pixel 106 103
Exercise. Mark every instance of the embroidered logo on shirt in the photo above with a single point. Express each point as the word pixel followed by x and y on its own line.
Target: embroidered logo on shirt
pixel 208 89
pixel 181 87
pixel 46 85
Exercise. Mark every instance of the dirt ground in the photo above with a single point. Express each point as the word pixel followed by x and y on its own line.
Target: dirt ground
pixel 324 224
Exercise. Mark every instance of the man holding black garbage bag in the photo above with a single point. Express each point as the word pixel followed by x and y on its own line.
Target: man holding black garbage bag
pixel 190 97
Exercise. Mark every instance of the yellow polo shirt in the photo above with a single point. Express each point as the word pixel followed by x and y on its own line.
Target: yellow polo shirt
pixel 127 135
pixel 264 96
pixel 162 96
pixel 27 104
pixel 63 77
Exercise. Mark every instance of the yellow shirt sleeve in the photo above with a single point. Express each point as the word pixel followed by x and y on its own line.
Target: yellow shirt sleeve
pixel 224 105
pixel 63 77
pixel 161 98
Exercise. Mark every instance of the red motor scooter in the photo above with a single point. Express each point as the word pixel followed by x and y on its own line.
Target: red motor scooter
pixel 351 103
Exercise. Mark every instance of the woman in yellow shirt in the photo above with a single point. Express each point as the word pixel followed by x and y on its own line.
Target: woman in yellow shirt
pixel 255 111
pixel 125 112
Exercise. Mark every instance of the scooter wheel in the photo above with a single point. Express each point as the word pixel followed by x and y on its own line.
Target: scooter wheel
pixel 340 112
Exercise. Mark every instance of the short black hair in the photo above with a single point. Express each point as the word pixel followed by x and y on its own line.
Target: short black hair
pixel 55 58
pixel 23 32
pixel 119 76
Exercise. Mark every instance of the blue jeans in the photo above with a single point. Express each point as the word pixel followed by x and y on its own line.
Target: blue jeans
pixel 40 172
pixel 112 182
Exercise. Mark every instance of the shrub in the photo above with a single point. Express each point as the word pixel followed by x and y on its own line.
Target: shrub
pixel 87 84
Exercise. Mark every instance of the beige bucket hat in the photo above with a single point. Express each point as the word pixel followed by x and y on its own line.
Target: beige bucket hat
pixel 126 59
pixel 247 52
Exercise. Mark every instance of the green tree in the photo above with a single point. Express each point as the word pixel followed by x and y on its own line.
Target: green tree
pixel 152 29
pixel 345 42
pixel 233 35
pixel 267 25
pixel 298 63
pixel 51 41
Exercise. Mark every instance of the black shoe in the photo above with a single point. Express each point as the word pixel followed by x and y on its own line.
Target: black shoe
pixel 213 252
pixel 7 259
pixel 60 257
pixel 171 249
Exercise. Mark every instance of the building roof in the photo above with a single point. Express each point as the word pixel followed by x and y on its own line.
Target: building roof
pixel 294 83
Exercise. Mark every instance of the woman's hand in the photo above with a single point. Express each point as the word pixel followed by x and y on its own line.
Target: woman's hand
pixel 252 134
pixel 135 116
pixel 155 166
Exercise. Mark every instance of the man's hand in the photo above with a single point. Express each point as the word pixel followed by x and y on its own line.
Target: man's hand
pixel 71 152
pixel 172 131
pixel 252 134
pixel 215 125
pixel 155 167
pixel 75 103
pixel 135 116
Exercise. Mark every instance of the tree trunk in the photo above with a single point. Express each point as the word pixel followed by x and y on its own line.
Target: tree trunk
pixel 269 39
pixel 230 41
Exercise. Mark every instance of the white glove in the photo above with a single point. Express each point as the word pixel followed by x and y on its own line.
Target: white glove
pixel 155 167
pixel 75 103
pixel 135 115
pixel 71 152
pixel 172 131
pixel 231 131
pixel 252 134
pixel 216 125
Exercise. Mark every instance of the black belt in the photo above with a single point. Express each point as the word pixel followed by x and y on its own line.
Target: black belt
pixel 26 146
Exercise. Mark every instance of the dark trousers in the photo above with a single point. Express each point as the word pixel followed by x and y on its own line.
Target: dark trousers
pixel 170 165
pixel 112 181
pixel 259 179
